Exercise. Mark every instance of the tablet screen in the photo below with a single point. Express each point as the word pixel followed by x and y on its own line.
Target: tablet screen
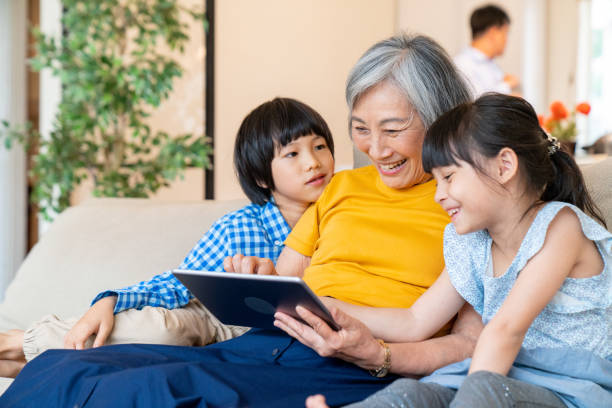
pixel 252 300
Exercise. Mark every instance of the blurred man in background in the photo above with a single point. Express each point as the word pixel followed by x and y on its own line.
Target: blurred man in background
pixel 489 26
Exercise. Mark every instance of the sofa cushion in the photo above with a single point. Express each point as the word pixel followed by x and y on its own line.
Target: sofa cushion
pixel 598 179
pixel 103 244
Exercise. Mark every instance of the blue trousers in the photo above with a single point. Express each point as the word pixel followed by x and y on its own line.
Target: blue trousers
pixel 260 368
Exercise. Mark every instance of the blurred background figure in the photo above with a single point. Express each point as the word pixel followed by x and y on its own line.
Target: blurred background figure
pixel 490 25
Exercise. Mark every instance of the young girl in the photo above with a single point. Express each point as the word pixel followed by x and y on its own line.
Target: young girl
pixel 283 157
pixel 521 250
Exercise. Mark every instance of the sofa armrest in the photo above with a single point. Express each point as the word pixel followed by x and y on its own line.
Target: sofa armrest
pixel 598 179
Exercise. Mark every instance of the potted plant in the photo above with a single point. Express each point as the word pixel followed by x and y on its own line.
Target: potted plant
pixel 562 124
pixel 113 76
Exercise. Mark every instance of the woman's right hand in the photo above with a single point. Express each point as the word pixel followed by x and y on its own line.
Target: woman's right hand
pixel 98 320
pixel 249 264
pixel 353 342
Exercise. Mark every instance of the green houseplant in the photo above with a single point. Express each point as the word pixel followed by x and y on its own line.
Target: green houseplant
pixel 113 75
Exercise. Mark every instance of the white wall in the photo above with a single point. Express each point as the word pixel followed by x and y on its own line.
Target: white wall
pixel 293 48
pixel 534 57
pixel 562 50
pixel 13 207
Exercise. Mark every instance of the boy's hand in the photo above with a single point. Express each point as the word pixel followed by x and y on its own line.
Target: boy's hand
pixel 98 320
pixel 249 264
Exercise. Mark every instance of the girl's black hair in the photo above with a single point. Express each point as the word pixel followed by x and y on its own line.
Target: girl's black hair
pixel 263 131
pixel 494 121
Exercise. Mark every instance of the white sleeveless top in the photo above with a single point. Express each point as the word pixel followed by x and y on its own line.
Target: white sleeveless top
pixel 580 314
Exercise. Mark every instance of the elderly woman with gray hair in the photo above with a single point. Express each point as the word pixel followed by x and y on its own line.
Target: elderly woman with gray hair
pixel 374 239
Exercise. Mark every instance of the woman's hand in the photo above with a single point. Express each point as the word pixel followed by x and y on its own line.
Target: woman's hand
pixel 353 343
pixel 98 320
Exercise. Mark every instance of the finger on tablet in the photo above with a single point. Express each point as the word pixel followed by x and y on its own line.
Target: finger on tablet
pixel 265 266
pixel 228 266
pixel 237 263
pixel 248 264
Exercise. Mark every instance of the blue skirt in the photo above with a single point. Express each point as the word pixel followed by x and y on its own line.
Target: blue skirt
pixel 263 368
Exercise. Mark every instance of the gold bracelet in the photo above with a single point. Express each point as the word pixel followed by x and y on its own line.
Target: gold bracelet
pixel 383 370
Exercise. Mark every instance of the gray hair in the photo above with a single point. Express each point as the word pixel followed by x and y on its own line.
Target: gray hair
pixel 419 67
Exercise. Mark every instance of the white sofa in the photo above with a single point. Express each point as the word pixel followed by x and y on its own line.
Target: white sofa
pixel 110 243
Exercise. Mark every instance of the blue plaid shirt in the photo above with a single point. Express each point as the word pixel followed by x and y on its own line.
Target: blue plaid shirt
pixel 253 230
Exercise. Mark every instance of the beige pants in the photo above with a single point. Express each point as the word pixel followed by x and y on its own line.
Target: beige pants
pixel 192 325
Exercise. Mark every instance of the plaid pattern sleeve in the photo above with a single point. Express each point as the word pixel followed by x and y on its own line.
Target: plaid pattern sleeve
pixel 164 290
pixel 253 230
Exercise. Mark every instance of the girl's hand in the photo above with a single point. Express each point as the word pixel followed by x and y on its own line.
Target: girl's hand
pixel 353 343
pixel 98 320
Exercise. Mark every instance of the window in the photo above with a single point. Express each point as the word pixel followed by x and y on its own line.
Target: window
pixel 595 81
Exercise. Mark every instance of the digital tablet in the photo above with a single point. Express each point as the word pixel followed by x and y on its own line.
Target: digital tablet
pixel 251 300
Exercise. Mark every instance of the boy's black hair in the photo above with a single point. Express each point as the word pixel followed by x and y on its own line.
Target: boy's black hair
pixel 485 17
pixel 482 128
pixel 266 129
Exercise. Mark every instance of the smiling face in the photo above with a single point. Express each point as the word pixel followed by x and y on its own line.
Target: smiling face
pixel 468 196
pixel 388 129
pixel 301 169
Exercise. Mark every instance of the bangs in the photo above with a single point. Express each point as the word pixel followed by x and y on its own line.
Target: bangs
pixel 448 140
pixel 287 134
pixel 295 123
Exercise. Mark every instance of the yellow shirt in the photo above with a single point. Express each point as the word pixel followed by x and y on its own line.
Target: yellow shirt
pixel 370 244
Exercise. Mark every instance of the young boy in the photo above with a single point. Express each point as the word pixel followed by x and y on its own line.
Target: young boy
pixel 283 157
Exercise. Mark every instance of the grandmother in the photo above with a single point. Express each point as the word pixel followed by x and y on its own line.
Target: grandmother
pixel 374 239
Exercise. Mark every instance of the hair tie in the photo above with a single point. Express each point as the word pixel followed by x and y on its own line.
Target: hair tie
pixel 553 143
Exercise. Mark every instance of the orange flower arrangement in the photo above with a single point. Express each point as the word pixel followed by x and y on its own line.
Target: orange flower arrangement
pixel 561 123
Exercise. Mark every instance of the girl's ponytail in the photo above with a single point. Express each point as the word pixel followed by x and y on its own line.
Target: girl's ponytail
pixel 567 185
